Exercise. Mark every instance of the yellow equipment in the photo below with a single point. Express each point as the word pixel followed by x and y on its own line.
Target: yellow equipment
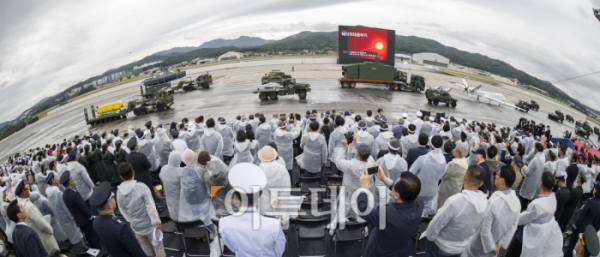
pixel 109 107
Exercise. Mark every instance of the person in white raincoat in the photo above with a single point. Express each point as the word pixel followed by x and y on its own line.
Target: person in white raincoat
pixel 461 216
pixel 315 150
pixel 55 196
pixel 45 208
pixel 381 142
pixel 215 171
pixel 243 149
pixel 363 137
pixel 541 234
pixel 263 133
pixel 146 147
pixel 277 178
pixel 212 142
pixel 164 146
pixel 138 208
pixel 227 135
pixel 501 218
pixel 451 180
pixel 335 141
pixel 410 141
pixel 192 137
pixel 170 176
pixel 532 173
pixel 418 121
pixel 194 203
pixel 284 141
pixel 354 168
pixel 81 180
pixel 392 165
pixel 427 127
pixel 429 169
pixel 40 178
pixel 551 164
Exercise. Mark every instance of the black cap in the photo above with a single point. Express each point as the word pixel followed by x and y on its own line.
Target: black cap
pixel 101 194
pixel 590 241
pixel 98 143
pixel 159 126
pixel 103 134
pixel 72 155
pixel 20 188
pixel 480 151
pixel 64 177
pixel 137 130
pixel 116 132
pixel 552 155
pixel 149 123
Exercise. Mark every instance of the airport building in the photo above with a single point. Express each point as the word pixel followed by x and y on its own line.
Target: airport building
pixel 231 55
pixel 431 59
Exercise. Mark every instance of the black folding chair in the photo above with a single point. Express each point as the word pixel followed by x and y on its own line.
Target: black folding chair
pixel 423 224
pixel 309 182
pixel 193 233
pixel 307 206
pixel 226 251
pixel 353 231
pixel 311 229
pixel 170 234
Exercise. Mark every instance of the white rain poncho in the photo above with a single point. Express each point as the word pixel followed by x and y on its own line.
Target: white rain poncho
pixel 137 206
pixel 541 235
pixel 455 132
pixel 418 122
pixel 146 147
pixel 429 168
pixel 532 174
pixel 192 139
pixel 194 203
pixel 227 135
pixel 364 137
pixel 243 152
pixel 212 142
pixel 374 131
pixel 36 221
pixel 392 165
pixel 352 170
pixel 64 214
pixel 381 142
pixel 81 179
pixel 170 176
pixel 499 225
pixel 588 185
pixel 551 166
pixel 164 146
pixel 315 152
pixel 215 172
pixel 277 178
pixel 40 178
pixel 263 135
pixel 459 219
pixel 482 145
pixel 408 142
pixel 46 209
pixel 284 141
pixel 239 125
pixel 335 141
pixel 451 180
pixel 426 128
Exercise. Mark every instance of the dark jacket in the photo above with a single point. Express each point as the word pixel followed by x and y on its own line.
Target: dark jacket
pixel 562 198
pixel 77 206
pixel 401 221
pixel 449 157
pixel 117 237
pixel 414 153
pixel 487 181
pixel 141 166
pixel 574 198
pixel 572 172
pixel 590 210
pixel 326 132
pixel 27 242
pixel 398 131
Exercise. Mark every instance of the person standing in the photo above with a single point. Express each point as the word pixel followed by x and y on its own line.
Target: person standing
pixel 402 215
pixel 562 195
pixel 392 164
pixel 212 142
pixel 26 241
pixel 501 218
pixel 120 155
pixel 179 144
pixel 110 168
pixel 382 140
pixel 164 146
pixel 79 209
pixel 67 221
pixel 335 142
pixel 480 155
pixel 574 198
pixel 284 140
pixel 315 150
pixel 227 135
pixel 398 129
pixel 363 137
pixel 427 126
pixel 429 169
pixel 418 121
pixel 451 180
pixel 588 214
pixel 263 133
pixel 532 173
pixel 414 153
pixel 135 203
pixel 46 209
pixel 410 141
pixel 170 176
pixel 240 233
pixel 277 178
pixel 116 237
pixel 140 163
pixel 145 142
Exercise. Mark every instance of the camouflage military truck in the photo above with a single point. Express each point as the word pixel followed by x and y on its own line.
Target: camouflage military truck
pixel 583 129
pixel 556 116
pixel 276 76
pixel 378 73
pixel 438 95
pixel 523 105
pixel 187 84
pixel 204 80
pixel 533 105
pixel 596 131
pixel 273 90
pixel 569 118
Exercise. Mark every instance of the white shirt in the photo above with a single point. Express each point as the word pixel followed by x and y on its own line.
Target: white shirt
pixel 238 234
pixel 180 145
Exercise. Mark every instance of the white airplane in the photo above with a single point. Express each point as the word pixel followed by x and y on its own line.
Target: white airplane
pixel 490 96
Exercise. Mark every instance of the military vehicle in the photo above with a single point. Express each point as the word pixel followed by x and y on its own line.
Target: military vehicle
pixel 557 116
pixel 533 105
pixel 440 95
pixel 569 118
pixel 273 90
pixel 596 131
pixel 276 76
pixel 378 73
pixel 163 76
pixel 187 84
pixel 155 98
pixel 583 129
pixel 523 105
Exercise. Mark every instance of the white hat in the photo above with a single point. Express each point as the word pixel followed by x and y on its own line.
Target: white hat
pixel 157 236
pixel 404 115
pixel 419 114
pixel 431 118
pixel 245 175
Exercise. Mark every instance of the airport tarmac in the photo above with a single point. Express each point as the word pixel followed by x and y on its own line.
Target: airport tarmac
pixel 231 95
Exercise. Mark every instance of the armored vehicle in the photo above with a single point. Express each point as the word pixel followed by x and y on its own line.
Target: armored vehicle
pixel 163 76
pixel 533 105
pixel 273 90
pixel 569 118
pixel 378 73
pixel 580 131
pixel 187 84
pixel 277 77
pixel 596 131
pixel 440 95
pixel 204 80
pixel 556 116
pixel 523 105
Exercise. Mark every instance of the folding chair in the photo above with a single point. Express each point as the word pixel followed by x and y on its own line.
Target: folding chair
pixel 353 231
pixel 170 234
pixel 423 224
pixel 195 232
pixel 306 207
pixel 309 229
pixel 309 182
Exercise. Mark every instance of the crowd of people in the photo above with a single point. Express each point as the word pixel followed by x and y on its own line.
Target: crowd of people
pixel 481 187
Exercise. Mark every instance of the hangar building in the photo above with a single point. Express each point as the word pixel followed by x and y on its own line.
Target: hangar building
pixel 431 59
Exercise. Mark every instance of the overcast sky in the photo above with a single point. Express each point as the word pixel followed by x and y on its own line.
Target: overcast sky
pixel 47 46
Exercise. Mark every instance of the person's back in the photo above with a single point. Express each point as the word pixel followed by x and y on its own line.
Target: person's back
pixel 410 141
pixel 532 173
pixel 141 165
pixel 235 235
pixel 451 180
pixel 429 168
pixel 227 135
pixel 146 147
pixel 133 200
pixel 574 198
pixel 27 242
pixel 263 134
pixel 170 176
pixel 164 146
pixel 212 142
pixel 277 177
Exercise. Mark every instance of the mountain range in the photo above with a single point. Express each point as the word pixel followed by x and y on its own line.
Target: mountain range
pixel 242 41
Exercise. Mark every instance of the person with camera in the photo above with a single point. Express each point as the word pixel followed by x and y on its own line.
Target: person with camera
pixel 429 168
pixel 353 168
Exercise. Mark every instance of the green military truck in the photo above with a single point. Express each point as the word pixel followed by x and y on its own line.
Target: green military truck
pixel 378 73
pixel 276 76
pixel 533 105
pixel 569 118
pixel 274 90
pixel 439 95
pixel 596 131
pixel 522 105
pixel 187 84
pixel 557 116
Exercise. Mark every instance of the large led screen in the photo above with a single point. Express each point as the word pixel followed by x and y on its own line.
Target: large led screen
pixel 360 44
